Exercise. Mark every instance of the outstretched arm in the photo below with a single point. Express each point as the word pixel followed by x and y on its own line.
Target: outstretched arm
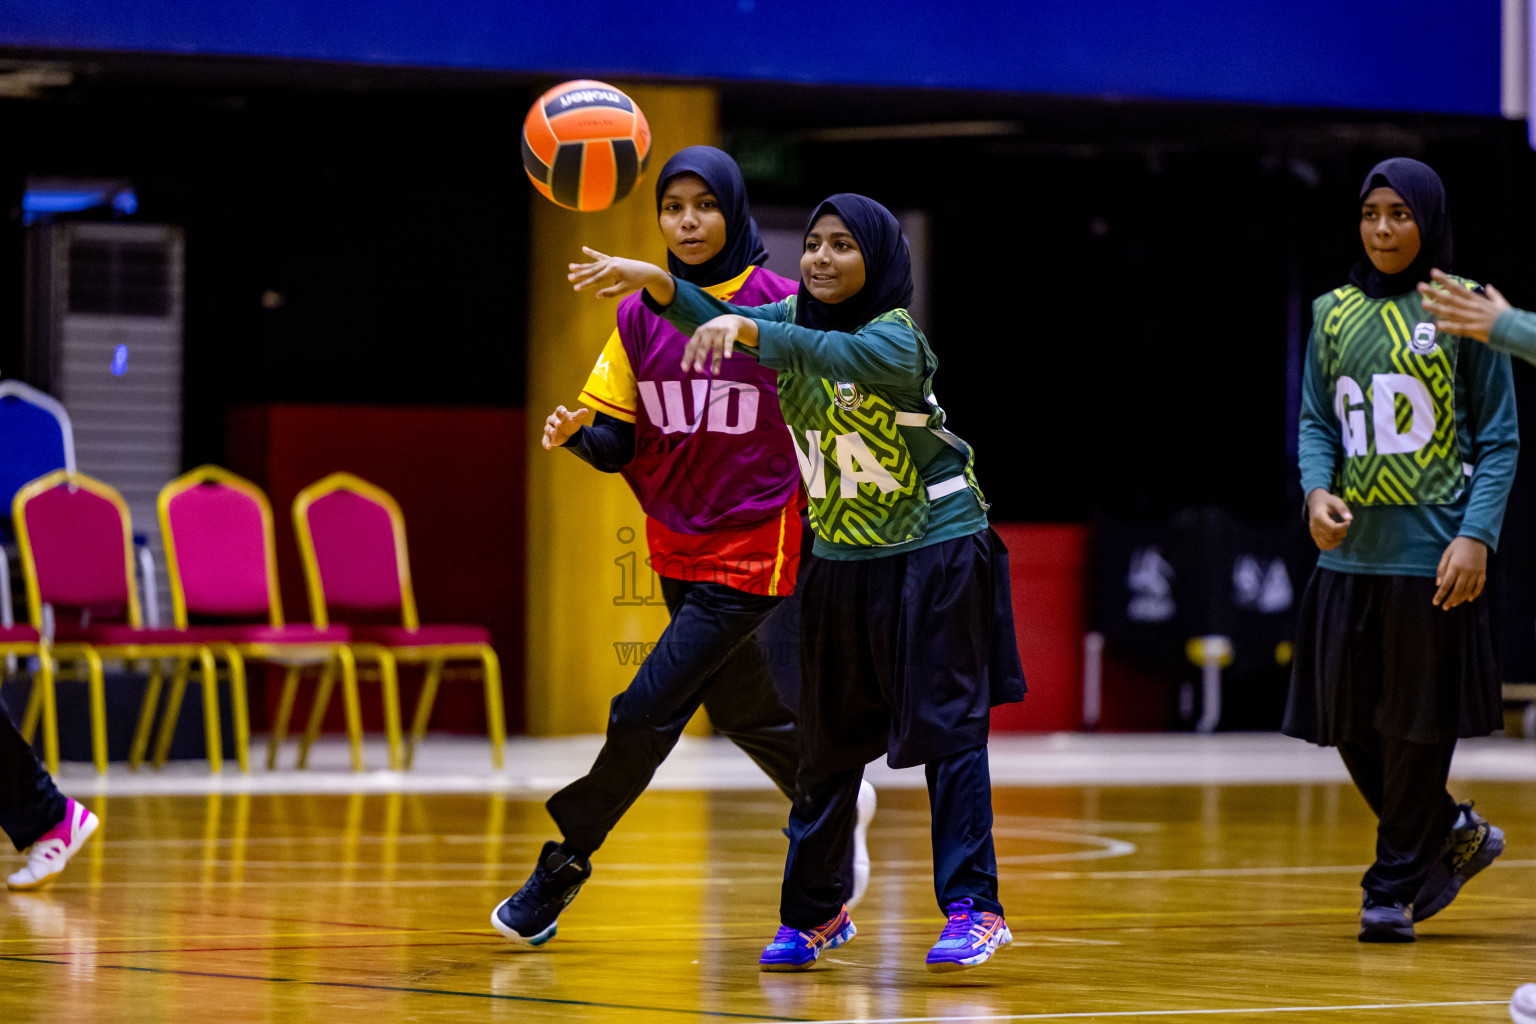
pixel 716 339
pixel 1460 310
pixel 615 277
pixel 1488 317
pixel 885 351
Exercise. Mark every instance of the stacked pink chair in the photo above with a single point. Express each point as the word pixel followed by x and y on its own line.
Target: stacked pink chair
pixel 221 554
pixel 352 540
pixel 76 542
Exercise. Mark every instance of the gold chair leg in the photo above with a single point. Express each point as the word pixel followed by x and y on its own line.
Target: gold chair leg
pixel 98 690
pixel 33 712
pixel 316 715
pixel 423 713
pixel 389 688
pixel 146 721
pixel 284 712
pixel 44 681
pixel 239 706
pixel 212 732
pixel 353 708
pixel 172 711
pixel 495 714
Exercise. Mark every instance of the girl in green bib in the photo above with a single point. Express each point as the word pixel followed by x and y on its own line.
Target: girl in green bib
pixel 907 637
pixel 1407 445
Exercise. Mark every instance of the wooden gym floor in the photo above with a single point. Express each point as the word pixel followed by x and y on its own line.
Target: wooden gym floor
pixel 1220 898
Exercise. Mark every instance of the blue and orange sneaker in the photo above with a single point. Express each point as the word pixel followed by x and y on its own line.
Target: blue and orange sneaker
pixel 969 938
pixel 794 950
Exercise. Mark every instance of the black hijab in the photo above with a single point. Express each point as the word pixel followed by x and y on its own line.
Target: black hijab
pixel 887 267
pixel 1424 194
pixel 743 245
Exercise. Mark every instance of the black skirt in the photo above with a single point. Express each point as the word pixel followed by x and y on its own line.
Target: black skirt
pixel 1374 658
pixel 906 655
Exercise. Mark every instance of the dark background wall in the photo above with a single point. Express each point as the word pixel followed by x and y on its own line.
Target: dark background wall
pixel 341 246
pixel 1119 289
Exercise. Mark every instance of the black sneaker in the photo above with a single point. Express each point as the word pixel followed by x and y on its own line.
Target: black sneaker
pixel 1468 850
pixel 528 916
pixel 1385 920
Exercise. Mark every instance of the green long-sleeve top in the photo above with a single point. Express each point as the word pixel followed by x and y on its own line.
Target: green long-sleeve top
pixel 1514 332
pixel 1408 540
pixel 885 356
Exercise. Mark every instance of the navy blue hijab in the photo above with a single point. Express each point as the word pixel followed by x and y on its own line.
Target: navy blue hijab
pixel 743 245
pixel 887 267
pixel 1424 194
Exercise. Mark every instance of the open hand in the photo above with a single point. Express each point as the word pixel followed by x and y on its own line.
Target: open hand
pixel 615 276
pixel 1328 519
pixel 562 423
pixel 1462 573
pixel 715 340
pixel 1459 310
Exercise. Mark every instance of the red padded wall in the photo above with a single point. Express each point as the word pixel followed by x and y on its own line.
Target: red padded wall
pixel 1048 564
pixel 458 474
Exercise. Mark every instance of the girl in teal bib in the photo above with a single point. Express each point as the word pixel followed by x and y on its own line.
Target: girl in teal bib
pixel 1407 447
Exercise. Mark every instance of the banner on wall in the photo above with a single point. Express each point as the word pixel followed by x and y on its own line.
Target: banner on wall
pixel 1318 53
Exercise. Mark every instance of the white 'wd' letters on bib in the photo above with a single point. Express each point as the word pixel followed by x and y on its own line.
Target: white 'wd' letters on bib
pixel 665 408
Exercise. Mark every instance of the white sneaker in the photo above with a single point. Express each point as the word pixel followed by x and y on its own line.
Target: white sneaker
pixel 1522 1006
pixel 51 852
pixel 866 805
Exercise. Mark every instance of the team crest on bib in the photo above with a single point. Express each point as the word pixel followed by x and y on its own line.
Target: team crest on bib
pixel 1423 338
pixel 847 395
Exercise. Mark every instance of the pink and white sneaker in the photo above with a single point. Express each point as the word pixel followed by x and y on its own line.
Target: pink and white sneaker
pixel 51 852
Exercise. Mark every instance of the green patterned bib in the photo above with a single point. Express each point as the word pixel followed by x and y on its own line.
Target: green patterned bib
pixel 865 488
pixel 1393 382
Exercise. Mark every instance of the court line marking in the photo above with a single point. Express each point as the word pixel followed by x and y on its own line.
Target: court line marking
pixel 488 941
pixel 411 990
pixel 1255 872
pixel 884 867
pixel 1003 825
pixel 235 937
pixel 1166 1013
pixel 597 935
pixel 1099 848
pixel 914 870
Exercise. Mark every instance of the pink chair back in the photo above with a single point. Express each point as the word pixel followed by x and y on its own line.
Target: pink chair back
pixel 78 541
pixel 354 544
pixel 218 537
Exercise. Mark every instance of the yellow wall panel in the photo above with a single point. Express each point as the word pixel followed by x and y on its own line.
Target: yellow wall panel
pixel 589 591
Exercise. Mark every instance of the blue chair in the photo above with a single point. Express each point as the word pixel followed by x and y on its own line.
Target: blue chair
pixel 36 438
